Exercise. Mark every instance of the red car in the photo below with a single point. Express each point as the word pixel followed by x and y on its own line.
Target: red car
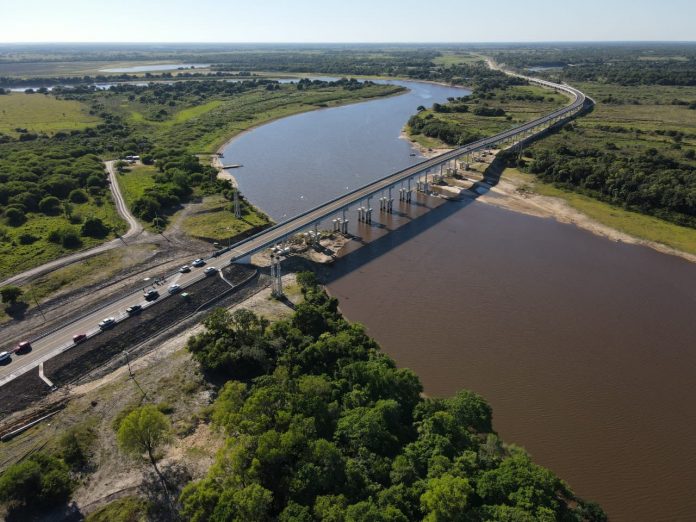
pixel 79 338
pixel 22 347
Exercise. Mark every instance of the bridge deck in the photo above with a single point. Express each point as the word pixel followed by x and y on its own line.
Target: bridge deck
pixel 276 233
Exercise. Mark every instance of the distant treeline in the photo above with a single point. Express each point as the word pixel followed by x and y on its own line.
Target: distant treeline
pixel 658 64
pixel 49 81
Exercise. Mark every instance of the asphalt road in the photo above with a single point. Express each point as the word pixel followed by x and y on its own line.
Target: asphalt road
pixel 61 339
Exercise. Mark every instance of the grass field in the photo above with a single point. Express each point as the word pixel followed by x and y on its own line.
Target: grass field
pixel 457 58
pixel 42 113
pixel 217 222
pixel 136 181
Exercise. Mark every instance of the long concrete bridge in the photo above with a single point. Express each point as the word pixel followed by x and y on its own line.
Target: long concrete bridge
pixel 403 180
pixel 51 343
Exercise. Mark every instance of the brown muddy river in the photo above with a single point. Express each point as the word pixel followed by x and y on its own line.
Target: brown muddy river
pixel 585 348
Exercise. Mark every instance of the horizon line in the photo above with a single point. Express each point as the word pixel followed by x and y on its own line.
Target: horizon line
pixel 343 42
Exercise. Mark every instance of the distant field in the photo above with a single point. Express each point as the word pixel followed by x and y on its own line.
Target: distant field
pixel 79 68
pixel 42 113
pixel 203 128
pixel 457 58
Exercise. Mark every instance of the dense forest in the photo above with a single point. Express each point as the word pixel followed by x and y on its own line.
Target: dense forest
pixel 650 182
pixel 321 425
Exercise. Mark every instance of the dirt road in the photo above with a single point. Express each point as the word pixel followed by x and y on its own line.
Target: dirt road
pixel 134 230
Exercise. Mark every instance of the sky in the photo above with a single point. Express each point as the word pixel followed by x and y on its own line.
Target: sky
pixel 278 21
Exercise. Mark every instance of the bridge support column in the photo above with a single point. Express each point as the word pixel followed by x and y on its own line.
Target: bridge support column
pixel 276 277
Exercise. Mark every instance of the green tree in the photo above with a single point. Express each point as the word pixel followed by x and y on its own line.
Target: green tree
pixel 446 499
pixel 143 432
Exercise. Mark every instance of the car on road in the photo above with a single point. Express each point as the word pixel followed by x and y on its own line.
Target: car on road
pixel 135 309
pixel 4 356
pixel 173 289
pixel 151 295
pixel 78 338
pixel 198 262
pixel 210 270
pixel 107 323
pixel 185 269
pixel 23 347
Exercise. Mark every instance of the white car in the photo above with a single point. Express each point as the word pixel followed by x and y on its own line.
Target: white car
pixel 198 262
pixel 185 269
pixel 173 289
pixel 107 323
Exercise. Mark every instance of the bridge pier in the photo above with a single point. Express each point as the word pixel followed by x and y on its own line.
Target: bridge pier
pixel 276 277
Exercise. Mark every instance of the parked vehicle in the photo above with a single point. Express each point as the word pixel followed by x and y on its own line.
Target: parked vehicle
pixel 185 269
pixel 4 356
pixel 173 289
pixel 151 295
pixel 135 309
pixel 198 262
pixel 78 338
pixel 107 323
pixel 210 270
pixel 23 347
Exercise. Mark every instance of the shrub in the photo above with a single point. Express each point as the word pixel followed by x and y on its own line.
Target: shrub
pixel 49 205
pixel 15 217
pixel 75 446
pixel 27 239
pixel 94 227
pixel 41 479
pixel 78 196
pixel 10 294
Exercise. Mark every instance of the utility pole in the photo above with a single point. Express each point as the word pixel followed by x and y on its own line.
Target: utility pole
pixel 237 206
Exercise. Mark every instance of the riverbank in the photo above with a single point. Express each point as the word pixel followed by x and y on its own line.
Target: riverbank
pixel 524 193
pixel 216 158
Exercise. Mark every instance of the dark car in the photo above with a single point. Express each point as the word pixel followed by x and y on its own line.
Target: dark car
pixel 78 338
pixel 5 357
pixel 210 270
pixel 135 309
pixel 151 295
pixel 23 347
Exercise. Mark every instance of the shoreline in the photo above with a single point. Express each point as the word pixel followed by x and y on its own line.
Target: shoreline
pixel 216 156
pixel 516 195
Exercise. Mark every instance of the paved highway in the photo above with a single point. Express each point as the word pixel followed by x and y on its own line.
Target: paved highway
pixel 50 345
